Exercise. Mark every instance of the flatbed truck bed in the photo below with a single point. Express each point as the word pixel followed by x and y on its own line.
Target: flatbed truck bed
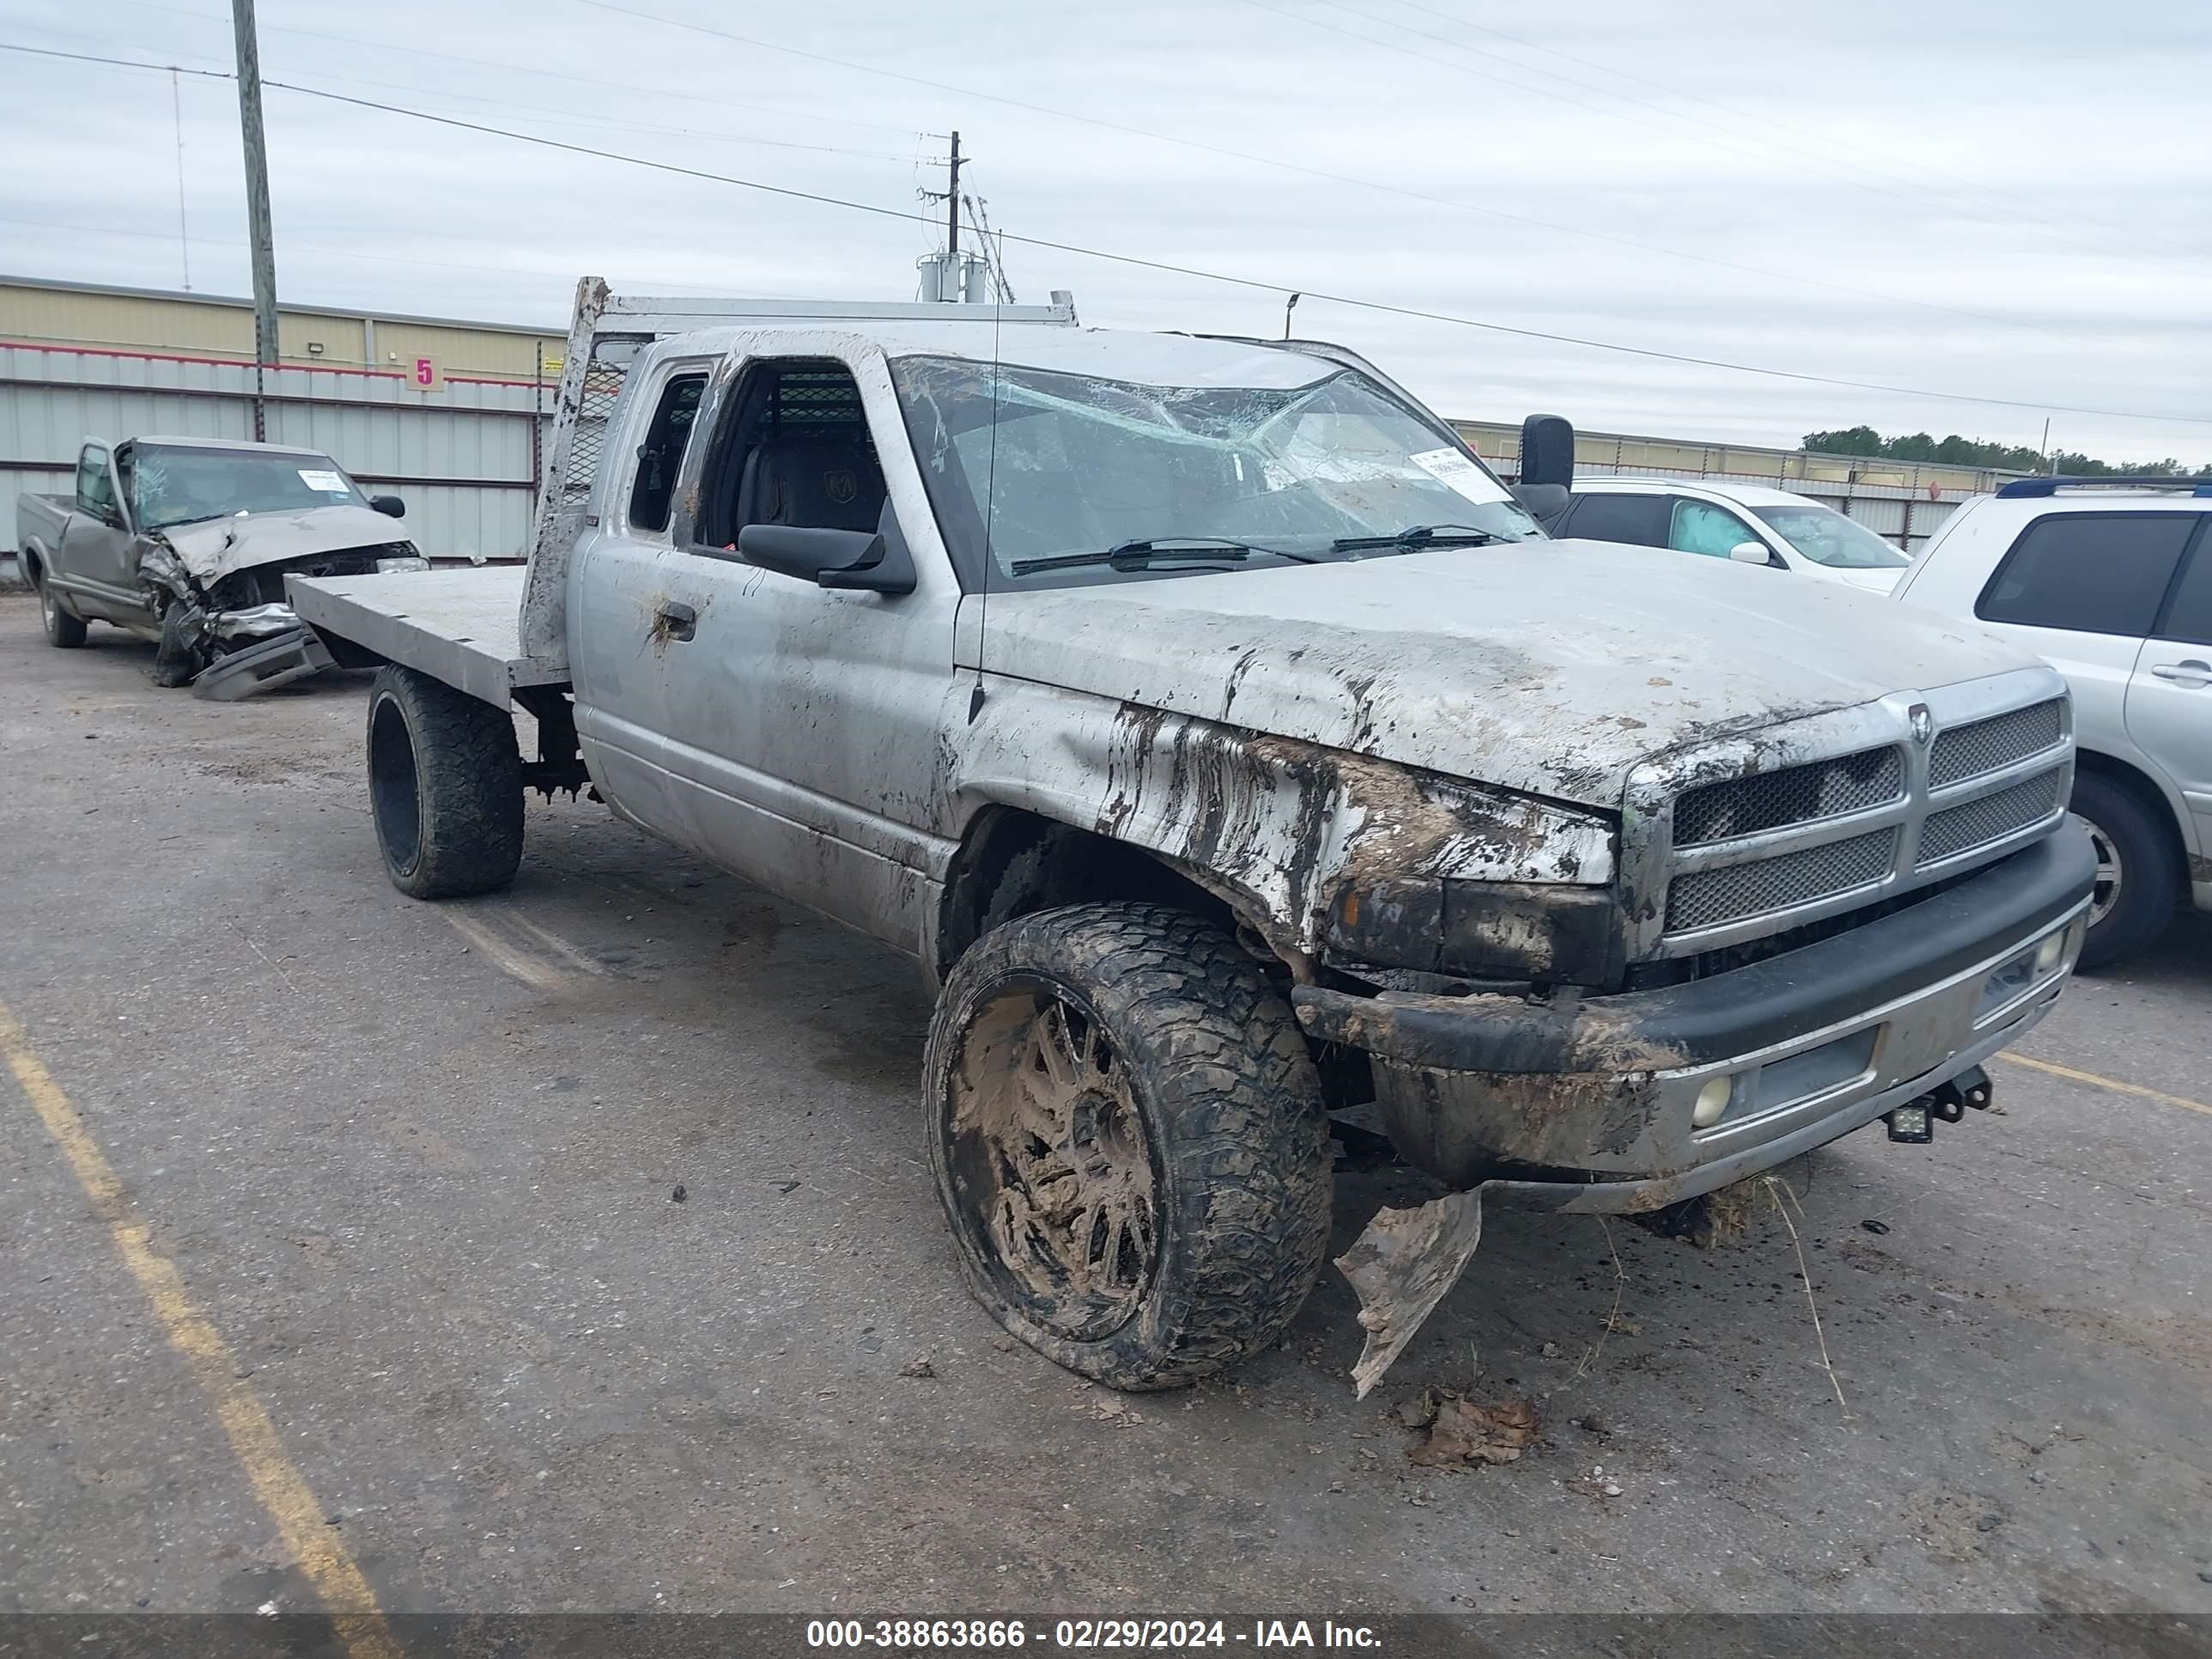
pixel 462 627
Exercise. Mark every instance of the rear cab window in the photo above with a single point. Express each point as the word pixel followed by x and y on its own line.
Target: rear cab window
pixel 2089 572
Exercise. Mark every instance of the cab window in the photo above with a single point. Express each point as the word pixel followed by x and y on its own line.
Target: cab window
pixel 660 457
pixel 795 448
pixel 95 492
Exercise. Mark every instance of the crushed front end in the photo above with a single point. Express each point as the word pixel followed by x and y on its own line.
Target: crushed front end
pixel 227 627
pixel 1831 921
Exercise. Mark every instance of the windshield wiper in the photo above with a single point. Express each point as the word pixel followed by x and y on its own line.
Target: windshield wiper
pixel 1421 535
pixel 1136 555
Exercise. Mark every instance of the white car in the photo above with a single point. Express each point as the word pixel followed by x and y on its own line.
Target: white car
pixel 1748 523
pixel 2110 580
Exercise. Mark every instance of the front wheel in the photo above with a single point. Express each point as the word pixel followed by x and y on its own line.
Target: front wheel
pixel 445 787
pixel 1128 1139
pixel 64 631
pixel 2138 875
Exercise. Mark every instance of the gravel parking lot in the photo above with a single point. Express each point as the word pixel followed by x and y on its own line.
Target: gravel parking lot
pixel 413 1169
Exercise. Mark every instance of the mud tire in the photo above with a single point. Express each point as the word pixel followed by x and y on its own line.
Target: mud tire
pixel 2145 861
pixel 64 631
pixel 1235 1137
pixel 445 787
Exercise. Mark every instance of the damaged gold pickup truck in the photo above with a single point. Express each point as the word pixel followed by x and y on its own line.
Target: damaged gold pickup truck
pixel 1230 747
pixel 187 542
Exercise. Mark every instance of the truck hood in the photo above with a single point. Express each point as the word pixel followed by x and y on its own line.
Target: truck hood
pixel 1550 667
pixel 213 548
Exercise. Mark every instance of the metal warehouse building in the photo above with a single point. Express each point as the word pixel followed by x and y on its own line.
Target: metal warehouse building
pixel 451 415
pixel 448 414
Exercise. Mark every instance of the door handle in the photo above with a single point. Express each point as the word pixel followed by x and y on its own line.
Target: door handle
pixel 674 620
pixel 2187 671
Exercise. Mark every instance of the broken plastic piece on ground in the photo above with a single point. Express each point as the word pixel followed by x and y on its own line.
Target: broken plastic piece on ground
pixel 1462 1433
pixel 263 667
pixel 1401 1265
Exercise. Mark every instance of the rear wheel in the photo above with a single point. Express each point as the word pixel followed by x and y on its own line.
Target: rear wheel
pixel 1128 1139
pixel 2138 878
pixel 445 787
pixel 64 631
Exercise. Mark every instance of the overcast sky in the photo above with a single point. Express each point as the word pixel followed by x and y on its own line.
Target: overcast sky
pixel 2008 200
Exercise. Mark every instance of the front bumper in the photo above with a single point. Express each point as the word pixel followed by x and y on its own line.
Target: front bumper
pixel 1587 1105
pixel 277 659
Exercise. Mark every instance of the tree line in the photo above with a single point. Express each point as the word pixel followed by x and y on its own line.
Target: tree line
pixel 1955 451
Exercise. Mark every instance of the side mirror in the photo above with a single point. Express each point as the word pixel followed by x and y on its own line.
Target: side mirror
pixel 1750 553
pixel 1547 450
pixel 390 506
pixel 830 558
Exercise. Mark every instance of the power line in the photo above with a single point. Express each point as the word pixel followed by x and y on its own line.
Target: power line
pixel 547 111
pixel 1879 188
pixel 1166 266
pixel 1308 172
pixel 596 83
pixel 1945 191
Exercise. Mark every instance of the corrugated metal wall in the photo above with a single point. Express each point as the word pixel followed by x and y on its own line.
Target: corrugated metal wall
pixel 463 458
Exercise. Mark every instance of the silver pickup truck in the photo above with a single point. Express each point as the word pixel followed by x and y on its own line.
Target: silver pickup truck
pixel 187 542
pixel 1231 748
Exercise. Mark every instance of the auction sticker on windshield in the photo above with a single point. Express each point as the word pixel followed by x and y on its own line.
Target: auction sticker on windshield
pixel 329 483
pixel 1455 471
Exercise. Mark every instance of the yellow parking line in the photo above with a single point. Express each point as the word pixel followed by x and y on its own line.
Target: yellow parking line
pixel 277 1482
pixel 2111 1082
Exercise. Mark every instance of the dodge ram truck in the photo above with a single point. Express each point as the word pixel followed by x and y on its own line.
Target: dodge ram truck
pixel 1230 747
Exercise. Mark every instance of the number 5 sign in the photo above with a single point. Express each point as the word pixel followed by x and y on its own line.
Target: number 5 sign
pixel 425 376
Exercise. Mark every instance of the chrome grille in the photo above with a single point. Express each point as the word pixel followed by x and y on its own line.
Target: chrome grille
pixel 1706 899
pixel 1967 751
pixel 1796 795
pixel 1977 823
pixel 1876 803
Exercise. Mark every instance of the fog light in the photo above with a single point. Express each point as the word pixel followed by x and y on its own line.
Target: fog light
pixel 1911 1123
pixel 1712 1102
pixel 2048 953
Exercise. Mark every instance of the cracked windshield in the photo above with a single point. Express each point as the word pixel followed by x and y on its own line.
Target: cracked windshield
pixel 1076 469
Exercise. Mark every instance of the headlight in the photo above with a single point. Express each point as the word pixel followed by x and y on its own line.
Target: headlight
pixel 1481 929
pixel 384 566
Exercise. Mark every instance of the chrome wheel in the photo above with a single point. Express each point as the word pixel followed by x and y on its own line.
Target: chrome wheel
pixel 1058 1150
pixel 2111 875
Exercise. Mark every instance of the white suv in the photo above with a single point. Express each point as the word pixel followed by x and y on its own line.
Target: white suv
pixel 2109 578
pixel 1749 523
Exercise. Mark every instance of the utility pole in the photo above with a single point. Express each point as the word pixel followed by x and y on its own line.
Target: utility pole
pixel 952 213
pixel 256 207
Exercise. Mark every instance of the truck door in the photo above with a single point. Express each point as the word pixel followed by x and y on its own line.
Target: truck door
pixel 94 563
pixel 794 727
pixel 2169 709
